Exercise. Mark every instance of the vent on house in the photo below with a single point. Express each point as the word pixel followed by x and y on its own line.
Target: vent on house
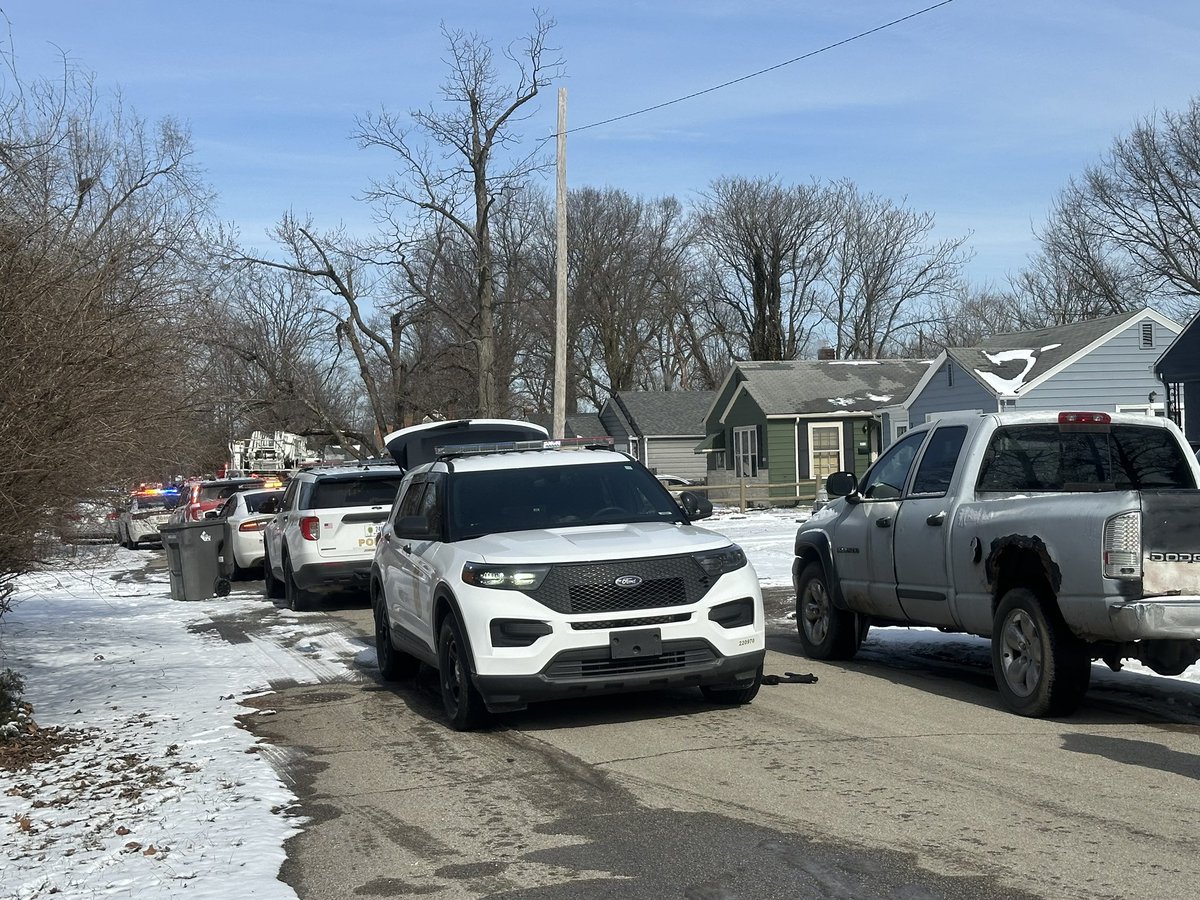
pixel 1147 335
pixel 949 374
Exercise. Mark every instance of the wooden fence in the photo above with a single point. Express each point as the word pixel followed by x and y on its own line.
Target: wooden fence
pixel 745 494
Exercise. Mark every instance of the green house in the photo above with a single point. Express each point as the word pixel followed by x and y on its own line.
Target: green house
pixel 787 425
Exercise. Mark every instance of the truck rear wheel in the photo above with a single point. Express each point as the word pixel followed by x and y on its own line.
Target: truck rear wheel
pixel 1040 667
pixel 826 632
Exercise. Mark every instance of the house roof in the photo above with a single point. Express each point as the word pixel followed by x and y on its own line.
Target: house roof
pixel 822 387
pixel 665 413
pixel 574 425
pixel 1015 362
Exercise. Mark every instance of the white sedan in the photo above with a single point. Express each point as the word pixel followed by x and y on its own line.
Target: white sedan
pixel 247 513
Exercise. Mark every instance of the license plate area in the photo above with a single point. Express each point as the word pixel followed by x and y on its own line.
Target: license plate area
pixel 633 644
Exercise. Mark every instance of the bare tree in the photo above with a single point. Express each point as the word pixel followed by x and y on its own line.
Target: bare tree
pixel 99 219
pixel 375 346
pixel 767 245
pixel 447 172
pixel 884 274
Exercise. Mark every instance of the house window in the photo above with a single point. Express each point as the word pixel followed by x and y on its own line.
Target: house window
pixel 1143 409
pixel 1147 335
pixel 745 452
pixel 825 451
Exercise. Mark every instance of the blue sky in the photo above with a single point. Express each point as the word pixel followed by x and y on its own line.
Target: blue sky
pixel 978 111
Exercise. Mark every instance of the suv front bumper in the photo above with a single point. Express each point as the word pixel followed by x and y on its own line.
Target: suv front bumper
pixel 590 672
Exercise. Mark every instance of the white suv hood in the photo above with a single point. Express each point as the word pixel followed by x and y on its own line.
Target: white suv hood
pixel 592 543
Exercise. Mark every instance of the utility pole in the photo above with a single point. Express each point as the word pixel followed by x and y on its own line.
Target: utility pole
pixel 560 275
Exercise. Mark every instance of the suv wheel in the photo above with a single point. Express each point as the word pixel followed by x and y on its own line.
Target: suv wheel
pixel 732 696
pixel 393 664
pixel 298 599
pixel 272 586
pixel 464 706
pixel 826 632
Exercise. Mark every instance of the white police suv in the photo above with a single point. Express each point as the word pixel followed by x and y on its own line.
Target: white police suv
pixel 524 569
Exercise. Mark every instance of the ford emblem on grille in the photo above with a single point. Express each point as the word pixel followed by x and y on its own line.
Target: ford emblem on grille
pixel 629 581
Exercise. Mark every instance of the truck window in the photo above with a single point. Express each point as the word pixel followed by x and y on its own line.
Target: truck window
pixel 1029 458
pixel 941 456
pixel 885 480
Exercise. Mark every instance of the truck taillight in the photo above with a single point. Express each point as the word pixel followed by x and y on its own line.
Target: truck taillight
pixel 310 528
pixel 1084 418
pixel 1123 546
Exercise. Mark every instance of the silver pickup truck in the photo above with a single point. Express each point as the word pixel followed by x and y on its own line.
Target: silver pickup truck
pixel 1064 537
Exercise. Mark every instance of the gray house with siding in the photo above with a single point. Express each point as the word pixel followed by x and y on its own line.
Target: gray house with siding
pixel 1105 365
pixel 659 428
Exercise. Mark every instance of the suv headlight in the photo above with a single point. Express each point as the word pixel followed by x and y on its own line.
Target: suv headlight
pixel 507 578
pixel 717 562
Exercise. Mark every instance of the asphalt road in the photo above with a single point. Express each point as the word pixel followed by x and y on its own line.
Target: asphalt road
pixel 894 776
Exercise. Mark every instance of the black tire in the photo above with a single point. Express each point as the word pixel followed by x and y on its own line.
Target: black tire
pixel 272 586
pixel 464 706
pixel 826 632
pixel 298 599
pixel 393 664
pixel 732 696
pixel 1041 668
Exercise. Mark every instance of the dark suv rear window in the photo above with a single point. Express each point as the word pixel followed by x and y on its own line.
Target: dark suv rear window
pixel 1054 458
pixel 209 492
pixel 335 493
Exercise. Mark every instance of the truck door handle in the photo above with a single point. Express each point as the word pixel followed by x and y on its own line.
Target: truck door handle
pixel 885 522
pixel 936 519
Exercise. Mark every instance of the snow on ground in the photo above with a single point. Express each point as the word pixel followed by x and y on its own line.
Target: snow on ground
pixel 165 791
pixel 166 794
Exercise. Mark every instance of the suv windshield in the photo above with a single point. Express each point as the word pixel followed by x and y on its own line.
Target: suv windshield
pixel 556 497
pixel 333 493
pixel 1052 458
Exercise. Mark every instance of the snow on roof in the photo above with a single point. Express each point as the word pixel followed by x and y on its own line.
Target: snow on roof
pixel 1007 385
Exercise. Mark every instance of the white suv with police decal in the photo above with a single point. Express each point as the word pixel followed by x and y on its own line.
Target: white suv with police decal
pixel 525 572
pixel 322 539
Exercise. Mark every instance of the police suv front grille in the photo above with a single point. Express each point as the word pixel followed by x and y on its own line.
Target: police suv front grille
pixel 598 664
pixel 630 623
pixel 593 588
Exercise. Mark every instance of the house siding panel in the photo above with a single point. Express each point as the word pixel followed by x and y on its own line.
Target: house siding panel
pixel 614 427
pixel 675 456
pixel 940 397
pixel 781 452
pixel 1118 372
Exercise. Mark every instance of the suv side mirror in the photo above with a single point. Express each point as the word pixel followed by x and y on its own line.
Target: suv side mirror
pixel 841 484
pixel 413 527
pixel 695 504
pixel 212 514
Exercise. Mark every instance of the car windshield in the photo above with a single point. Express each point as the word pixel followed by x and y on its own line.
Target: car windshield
pixel 332 493
pixel 556 497
pixel 151 501
pixel 1052 458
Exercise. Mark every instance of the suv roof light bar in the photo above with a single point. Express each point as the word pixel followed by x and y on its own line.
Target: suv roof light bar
pixel 593 443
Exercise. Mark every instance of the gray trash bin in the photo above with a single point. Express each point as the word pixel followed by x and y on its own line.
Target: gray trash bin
pixel 196 551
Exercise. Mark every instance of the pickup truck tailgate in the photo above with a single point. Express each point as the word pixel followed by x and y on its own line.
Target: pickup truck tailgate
pixel 1171 542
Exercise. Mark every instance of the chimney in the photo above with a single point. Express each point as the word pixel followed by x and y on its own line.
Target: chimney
pixel 826 353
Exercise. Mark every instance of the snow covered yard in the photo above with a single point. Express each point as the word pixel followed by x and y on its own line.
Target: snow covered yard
pixel 163 789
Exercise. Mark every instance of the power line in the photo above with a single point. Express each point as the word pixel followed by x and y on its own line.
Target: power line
pixel 808 55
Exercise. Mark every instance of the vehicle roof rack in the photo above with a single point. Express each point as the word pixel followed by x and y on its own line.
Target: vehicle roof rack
pixel 592 443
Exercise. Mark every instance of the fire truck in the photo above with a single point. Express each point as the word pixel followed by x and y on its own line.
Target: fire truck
pixel 267 451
